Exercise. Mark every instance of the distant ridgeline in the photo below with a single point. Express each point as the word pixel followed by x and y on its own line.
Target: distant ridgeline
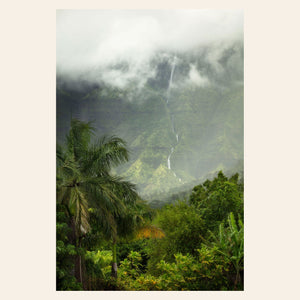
pixel 179 126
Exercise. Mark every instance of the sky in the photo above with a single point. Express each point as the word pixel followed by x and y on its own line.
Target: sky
pixel 92 41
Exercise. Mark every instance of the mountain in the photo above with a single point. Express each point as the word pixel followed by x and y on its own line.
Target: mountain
pixel 184 122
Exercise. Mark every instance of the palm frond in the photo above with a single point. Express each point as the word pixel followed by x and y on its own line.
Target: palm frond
pixel 78 206
pixel 84 181
pixel 79 137
pixel 103 155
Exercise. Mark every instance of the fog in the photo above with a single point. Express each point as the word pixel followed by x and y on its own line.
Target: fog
pixel 118 46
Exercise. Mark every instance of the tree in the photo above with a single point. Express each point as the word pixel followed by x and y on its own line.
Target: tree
pixel 216 198
pixel 182 226
pixel 84 182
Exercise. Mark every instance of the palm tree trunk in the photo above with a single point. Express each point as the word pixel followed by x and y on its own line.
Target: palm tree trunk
pixel 237 278
pixel 77 272
pixel 114 267
pixel 72 239
pixel 78 265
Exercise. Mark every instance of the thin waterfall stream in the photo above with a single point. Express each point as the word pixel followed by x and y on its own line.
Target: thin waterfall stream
pixel 171 79
pixel 172 118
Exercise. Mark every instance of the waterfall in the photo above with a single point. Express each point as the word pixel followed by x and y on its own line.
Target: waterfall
pixel 169 163
pixel 171 79
pixel 172 118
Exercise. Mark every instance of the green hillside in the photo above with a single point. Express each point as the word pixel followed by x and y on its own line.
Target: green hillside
pixel 207 119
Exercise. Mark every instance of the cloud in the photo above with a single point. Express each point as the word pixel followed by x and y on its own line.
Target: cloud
pixel 196 78
pixel 97 42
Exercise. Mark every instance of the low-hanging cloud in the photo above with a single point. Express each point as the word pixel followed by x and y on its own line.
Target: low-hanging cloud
pixel 98 42
pixel 196 78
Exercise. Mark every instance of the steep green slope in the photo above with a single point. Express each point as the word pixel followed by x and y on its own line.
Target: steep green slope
pixel 210 127
pixel 207 119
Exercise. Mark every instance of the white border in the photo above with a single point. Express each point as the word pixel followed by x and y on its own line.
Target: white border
pixel 28 148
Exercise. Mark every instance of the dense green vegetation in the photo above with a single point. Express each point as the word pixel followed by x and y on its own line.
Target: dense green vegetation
pixel 163 211
pixel 108 238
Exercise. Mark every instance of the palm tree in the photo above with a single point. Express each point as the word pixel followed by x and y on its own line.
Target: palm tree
pixel 84 181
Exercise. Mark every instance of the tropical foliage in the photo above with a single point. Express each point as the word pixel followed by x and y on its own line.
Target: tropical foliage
pixel 84 183
pixel 108 238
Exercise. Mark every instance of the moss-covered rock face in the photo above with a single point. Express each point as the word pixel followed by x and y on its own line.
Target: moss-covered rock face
pixel 202 121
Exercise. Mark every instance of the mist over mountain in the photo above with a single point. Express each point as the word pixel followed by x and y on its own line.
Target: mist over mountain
pixel 170 83
pixel 118 46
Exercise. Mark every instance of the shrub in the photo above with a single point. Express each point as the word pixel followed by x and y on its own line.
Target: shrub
pixel 206 272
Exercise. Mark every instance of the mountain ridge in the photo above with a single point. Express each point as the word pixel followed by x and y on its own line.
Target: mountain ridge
pixel 171 125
